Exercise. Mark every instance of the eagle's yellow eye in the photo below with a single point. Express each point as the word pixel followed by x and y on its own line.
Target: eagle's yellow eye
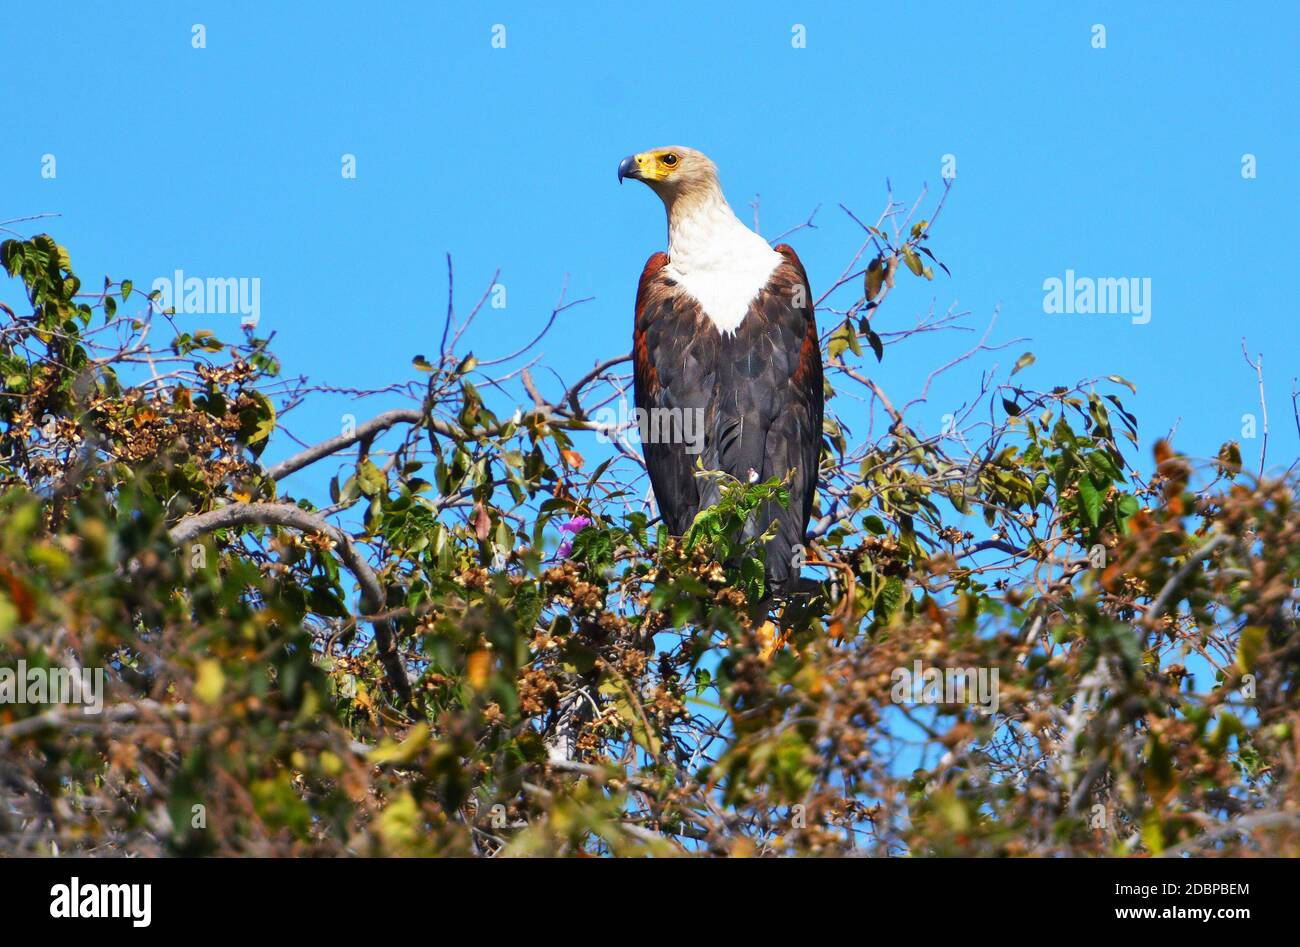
pixel 670 161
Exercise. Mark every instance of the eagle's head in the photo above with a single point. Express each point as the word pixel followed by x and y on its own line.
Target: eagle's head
pixel 677 174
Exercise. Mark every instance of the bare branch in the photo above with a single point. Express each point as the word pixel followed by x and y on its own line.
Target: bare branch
pixel 365 432
pixel 1258 365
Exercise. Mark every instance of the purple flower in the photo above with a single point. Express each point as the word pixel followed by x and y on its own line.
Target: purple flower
pixel 572 527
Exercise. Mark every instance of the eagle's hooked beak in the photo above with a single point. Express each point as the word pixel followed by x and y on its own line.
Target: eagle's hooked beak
pixel 629 167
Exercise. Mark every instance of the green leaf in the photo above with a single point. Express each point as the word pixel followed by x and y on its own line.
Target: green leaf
pixel 1023 361
pixel 913 261
pixel 389 751
pixel 206 341
pixel 370 479
pixel 256 422
pixel 890 597
pixel 1089 499
pixel 854 347
pixel 840 341
pixel 1249 645
pixel 349 492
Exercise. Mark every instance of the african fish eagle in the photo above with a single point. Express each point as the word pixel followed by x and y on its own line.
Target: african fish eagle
pixel 725 331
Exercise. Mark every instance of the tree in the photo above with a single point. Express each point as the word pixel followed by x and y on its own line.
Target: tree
pixel 412 666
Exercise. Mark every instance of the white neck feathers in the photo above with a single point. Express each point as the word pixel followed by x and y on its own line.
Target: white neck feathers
pixel 717 259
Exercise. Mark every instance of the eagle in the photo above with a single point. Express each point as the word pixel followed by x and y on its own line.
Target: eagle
pixel 725 346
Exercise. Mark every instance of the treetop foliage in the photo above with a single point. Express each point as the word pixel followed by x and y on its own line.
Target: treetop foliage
pixel 482 643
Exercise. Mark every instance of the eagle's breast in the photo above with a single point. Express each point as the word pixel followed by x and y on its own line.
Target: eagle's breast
pixel 721 264
pixel 725 295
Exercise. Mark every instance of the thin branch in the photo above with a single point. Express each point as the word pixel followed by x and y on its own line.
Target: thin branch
pixel 1258 365
pixel 1178 578
pixel 365 432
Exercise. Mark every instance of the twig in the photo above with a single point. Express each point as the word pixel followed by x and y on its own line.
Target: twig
pixel 1193 562
pixel 1258 365
pixel 364 432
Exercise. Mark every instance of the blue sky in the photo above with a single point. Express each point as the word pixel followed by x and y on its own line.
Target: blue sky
pixel 1123 161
